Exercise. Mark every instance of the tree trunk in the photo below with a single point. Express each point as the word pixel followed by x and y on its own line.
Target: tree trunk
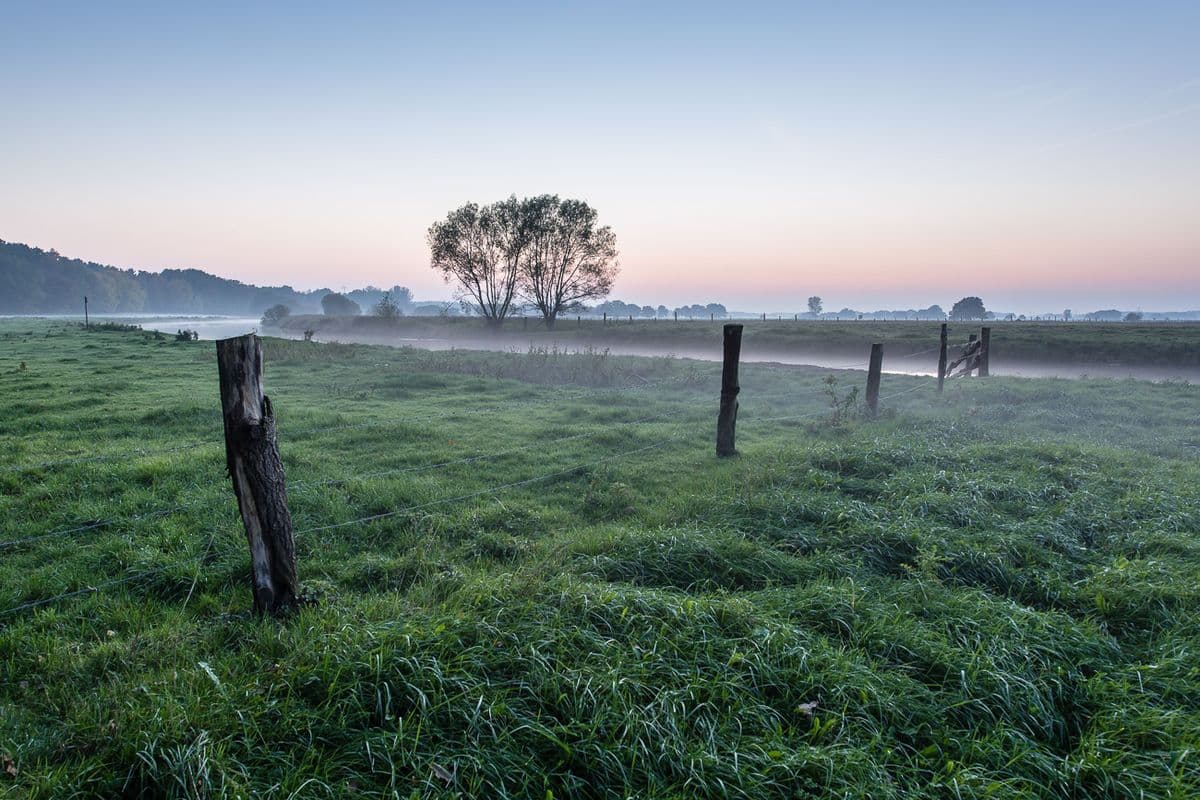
pixel 256 470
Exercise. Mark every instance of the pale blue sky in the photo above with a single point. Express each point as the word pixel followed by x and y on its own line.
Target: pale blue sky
pixel 753 153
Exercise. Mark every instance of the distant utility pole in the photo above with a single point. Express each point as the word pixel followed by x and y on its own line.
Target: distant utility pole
pixel 86 322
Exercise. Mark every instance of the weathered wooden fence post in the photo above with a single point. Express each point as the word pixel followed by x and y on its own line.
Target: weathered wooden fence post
pixel 252 457
pixel 727 417
pixel 873 370
pixel 86 322
pixel 942 358
pixel 971 362
pixel 605 318
pixel 985 343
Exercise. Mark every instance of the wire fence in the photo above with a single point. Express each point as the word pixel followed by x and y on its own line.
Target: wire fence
pixel 217 436
pixel 677 414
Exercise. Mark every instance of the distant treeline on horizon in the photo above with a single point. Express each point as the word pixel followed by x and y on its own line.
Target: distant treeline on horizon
pixel 36 281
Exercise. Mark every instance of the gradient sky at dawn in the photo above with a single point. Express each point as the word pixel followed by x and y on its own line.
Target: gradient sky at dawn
pixel 1042 155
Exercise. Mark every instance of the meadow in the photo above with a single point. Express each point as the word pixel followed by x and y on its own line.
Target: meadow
pixel 531 577
pixel 1077 344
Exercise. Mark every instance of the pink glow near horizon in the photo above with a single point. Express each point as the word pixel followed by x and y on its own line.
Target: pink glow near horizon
pixel 771 154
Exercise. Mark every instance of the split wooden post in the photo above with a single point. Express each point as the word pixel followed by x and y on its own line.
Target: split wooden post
pixel 942 358
pixel 970 341
pixel 873 371
pixel 985 343
pixel 256 470
pixel 727 417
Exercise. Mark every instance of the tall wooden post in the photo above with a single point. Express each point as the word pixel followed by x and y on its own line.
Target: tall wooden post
pixel 86 322
pixel 252 458
pixel 873 371
pixel 727 417
pixel 942 359
pixel 985 343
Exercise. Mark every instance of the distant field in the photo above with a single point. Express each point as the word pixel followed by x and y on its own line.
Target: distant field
pixel 1080 344
pixel 993 593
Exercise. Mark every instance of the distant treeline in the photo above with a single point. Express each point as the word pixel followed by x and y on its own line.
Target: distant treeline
pixel 36 281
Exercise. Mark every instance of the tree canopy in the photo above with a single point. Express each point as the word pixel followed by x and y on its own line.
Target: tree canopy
pixel 338 305
pixel 968 308
pixel 275 314
pixel 545 250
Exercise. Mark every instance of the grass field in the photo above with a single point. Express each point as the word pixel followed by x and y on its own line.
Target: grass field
pixel 563 593
pixel 1076 344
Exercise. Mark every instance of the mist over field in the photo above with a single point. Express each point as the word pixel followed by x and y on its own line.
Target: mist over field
pixel 617 400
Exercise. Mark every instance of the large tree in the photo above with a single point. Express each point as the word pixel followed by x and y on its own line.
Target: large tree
pixel 479 248
pixel 814 306
pixel 968 308
pixel 567 256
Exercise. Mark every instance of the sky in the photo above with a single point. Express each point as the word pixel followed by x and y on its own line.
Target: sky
pixel 881 155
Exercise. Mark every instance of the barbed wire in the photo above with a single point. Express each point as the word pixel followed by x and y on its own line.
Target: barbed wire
pixel 95 588
pixel 482 492
pixel 319 528
pixel 164 512
pixel 146 453
pixel 908 390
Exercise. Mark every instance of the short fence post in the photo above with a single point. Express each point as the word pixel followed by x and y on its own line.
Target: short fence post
pixel 86 322
pixel 252 457
pixel 605 321
pixel 942 359
pixel 727 418
pixel 677 316
pixel 873 370
pixel 764 319
pixel 985 342
pixel 524 323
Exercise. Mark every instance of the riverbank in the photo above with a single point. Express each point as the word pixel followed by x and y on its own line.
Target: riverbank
pixel 1148 351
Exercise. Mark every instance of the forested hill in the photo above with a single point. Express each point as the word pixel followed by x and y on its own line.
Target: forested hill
pixel 35 281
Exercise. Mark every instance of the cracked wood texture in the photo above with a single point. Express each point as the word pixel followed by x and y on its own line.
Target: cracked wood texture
pixel 252 457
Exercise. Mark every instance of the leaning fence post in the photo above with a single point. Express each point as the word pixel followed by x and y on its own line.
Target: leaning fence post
pixel 985 342
pixel 942 359
pixel 256 470
pixel 873 370
pixel 727 417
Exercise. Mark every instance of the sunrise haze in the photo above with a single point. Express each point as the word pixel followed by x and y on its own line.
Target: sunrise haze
pixel 1040 155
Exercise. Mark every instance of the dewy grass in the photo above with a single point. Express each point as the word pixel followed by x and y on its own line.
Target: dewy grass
pixel 991 593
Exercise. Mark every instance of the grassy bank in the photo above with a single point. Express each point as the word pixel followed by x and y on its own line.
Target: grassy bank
pixel 1079 344
pixel 562 593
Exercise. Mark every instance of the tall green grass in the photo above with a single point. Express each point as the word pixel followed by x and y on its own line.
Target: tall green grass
pixel 992 593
